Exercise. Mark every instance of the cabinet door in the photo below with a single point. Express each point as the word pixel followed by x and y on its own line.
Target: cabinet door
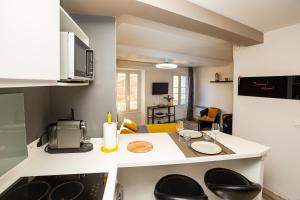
pixel 29 39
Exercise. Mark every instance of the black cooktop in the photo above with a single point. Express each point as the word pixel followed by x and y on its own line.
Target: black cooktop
pixel 58 187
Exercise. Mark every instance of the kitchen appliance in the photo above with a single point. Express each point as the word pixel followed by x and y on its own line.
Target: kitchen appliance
pixel 58 187
pixel 68 136
pixel 76 59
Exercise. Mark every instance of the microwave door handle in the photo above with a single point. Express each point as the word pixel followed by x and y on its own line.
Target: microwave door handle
pixel 89 56
pixel 86 62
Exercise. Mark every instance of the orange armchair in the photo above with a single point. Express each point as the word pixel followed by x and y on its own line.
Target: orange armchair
pixel 207 117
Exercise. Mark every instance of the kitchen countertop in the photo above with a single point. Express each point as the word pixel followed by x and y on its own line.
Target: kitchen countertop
pixel 165 152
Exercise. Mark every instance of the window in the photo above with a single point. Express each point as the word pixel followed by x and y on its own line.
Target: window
pixel 175 90
pixel 183 90
pixel 179 90
pixel 121 92
pixel 133 97
pixel 128 90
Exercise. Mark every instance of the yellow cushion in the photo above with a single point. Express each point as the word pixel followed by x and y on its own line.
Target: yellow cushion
pixel 206 118
pixel 159 128
pixel 125 130
pixel 212 112
pixel 130 124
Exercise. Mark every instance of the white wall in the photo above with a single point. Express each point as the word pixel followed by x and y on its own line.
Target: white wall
pixel 271 121
pixel 208 94
pixel 91 103
pixel 153 74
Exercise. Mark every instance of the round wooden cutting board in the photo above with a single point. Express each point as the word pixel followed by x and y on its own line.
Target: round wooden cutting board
pixel 139 147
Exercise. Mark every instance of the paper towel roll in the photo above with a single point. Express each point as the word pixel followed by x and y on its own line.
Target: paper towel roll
pixel 110 135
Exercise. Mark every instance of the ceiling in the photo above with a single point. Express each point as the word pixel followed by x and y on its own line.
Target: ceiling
pixel 142 40
pixel 152 42
pixel 147 41
pixel 263 15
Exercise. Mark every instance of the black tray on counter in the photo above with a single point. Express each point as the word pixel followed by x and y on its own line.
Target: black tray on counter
pixel 84 147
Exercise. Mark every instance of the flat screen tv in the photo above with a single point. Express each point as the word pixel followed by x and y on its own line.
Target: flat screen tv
pixel 160 88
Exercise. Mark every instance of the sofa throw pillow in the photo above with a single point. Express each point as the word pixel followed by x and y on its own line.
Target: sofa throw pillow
pixel 130 124
pixel 125 130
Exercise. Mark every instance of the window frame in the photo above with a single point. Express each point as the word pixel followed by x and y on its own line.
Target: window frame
pixel 179 103
pixel 178 89
pixel 127 73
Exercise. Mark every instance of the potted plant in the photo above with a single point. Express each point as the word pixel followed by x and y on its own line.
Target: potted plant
pixel 169 100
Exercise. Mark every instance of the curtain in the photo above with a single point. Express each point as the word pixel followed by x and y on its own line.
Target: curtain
pixel 190 108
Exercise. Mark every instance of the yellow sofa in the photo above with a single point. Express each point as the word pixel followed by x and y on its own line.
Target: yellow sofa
pixel 129 127
pixel 158 128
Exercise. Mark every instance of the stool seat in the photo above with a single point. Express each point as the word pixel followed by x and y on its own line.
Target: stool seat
pixel 178 187
pixel 230 185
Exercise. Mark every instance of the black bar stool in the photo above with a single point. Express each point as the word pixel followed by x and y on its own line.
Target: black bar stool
pixel 230 185
pixel 178 187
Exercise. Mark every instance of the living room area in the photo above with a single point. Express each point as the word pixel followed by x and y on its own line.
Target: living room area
pixel 166 74
pixel 148 95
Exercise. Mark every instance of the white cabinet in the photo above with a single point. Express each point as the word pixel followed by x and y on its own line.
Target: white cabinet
pixel 29 38
pixel 67 24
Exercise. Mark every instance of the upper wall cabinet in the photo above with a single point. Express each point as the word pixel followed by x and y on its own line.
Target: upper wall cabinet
pixel 30 42
pixel 29 39
pixel 67 24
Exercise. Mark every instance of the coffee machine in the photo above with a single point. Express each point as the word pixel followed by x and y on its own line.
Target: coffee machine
pixel 68 136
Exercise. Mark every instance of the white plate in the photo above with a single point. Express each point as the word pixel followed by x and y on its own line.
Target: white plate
pixel 193 134
pixel 206 147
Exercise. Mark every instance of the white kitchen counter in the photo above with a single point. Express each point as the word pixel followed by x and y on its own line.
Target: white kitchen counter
pixel 165 152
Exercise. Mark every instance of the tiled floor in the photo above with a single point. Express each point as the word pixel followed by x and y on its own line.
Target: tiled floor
pixel 191 125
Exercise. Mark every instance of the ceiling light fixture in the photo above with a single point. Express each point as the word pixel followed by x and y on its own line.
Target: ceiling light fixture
pixel 166 65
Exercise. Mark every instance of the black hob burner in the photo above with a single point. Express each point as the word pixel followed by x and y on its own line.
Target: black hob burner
pixel 58 187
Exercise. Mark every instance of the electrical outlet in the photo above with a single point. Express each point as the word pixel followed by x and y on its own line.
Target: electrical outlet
pixel 297 123
pixel 2 148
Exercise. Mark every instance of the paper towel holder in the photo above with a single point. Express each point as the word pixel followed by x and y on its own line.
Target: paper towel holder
pixel 110 140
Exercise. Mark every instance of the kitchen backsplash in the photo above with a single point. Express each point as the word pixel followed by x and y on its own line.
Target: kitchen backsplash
pixel 37 109
pixel 13 146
